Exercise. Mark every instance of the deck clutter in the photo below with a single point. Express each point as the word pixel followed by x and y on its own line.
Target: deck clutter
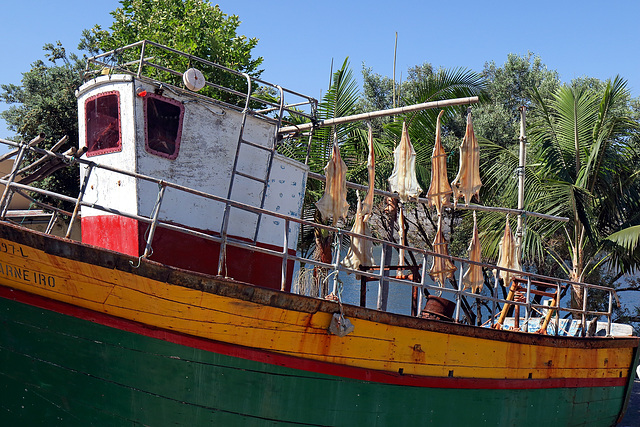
pixel 179 305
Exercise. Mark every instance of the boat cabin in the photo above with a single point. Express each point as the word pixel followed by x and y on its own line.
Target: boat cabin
pixel 151 129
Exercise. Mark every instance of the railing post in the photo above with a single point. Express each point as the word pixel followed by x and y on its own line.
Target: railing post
pixel 142 51
pixel 458 293
pixel 422 279
pixel 154 222
pixel 5 201
pixel 52 221
pixel 306 158
pixel 336 264
pixel 609 313
pixel 76 208
pixel 584 310
pixel 528 306
pixel 223 235
pixel 557 300
pixel 380 302
pixel 249 89
pixel 494 292
pixel 285 256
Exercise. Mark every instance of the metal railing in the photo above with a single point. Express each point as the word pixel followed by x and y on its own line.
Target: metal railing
pixel 456 291
pixel 153 56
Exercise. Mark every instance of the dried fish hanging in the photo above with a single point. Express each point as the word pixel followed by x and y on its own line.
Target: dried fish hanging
pixel 403 241
pixel 440 192
pixel 467 184
pixel 333 203
pixel 442 267
pixel 473 277
pixel 361 249
pixel 508 255
pixel 367 204
pixel 507 258
pixel 403 178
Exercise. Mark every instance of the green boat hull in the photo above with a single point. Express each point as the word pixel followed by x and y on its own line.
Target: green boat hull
pixel 58 369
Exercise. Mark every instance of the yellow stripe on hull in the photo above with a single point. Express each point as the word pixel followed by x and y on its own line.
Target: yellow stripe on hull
pixel 372 345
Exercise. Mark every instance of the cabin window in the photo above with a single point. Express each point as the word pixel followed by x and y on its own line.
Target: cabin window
pixel 163 125
pixel 102 116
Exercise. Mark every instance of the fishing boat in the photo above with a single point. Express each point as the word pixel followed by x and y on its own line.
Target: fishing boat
pixel 179 303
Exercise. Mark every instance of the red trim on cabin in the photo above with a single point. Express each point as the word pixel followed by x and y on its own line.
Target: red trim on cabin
pixel 197 254
pixel 185 251
pixel 113 232
pixel 292 362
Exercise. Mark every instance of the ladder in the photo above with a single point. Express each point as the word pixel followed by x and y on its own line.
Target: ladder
pixel 263 180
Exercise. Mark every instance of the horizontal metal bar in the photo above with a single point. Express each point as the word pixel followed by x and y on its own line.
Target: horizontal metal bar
pixel 253 144
pixel 251 177
pixel 97 60
pixel 380 113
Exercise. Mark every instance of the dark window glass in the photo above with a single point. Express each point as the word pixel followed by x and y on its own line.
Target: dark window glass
pixel 164 125
pixel 102 115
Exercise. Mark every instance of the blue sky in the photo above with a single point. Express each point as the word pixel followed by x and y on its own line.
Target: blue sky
pixel 298 39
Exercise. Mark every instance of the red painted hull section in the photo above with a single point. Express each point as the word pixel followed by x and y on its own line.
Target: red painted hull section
pixel 184 251
pixel 112 232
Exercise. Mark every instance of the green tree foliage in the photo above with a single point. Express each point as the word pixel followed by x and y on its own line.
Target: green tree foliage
pixel 378 90
pixel 509 87
pixel 581 165
pixel 192 26
pixel 45 103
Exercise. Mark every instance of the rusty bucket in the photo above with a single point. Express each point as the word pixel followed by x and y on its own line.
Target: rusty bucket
pixel 438 308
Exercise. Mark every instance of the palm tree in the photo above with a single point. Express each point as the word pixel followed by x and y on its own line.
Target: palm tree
pixel 580 167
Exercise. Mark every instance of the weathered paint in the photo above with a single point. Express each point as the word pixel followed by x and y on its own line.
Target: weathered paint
pixel 292 325
pixel 186 251
pixel 123 233
pixel 86 368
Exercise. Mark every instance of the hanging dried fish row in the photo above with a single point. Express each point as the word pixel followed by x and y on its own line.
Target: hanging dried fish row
pixel 467 183
pixel 333 203
pixel 442 267
pixel 403 179
pixel 439 194
pixel 473 278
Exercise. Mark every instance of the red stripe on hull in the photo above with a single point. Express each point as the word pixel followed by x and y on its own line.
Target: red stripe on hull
pixel 303 364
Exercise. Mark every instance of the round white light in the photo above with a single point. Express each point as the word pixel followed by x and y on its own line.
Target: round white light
pixel 193 79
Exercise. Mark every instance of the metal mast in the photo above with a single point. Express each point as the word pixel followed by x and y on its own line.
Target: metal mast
pixel 521 165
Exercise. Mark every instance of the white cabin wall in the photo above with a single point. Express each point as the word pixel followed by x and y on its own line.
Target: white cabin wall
pixel 285 195
pixel 105 188
pixel 203 163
